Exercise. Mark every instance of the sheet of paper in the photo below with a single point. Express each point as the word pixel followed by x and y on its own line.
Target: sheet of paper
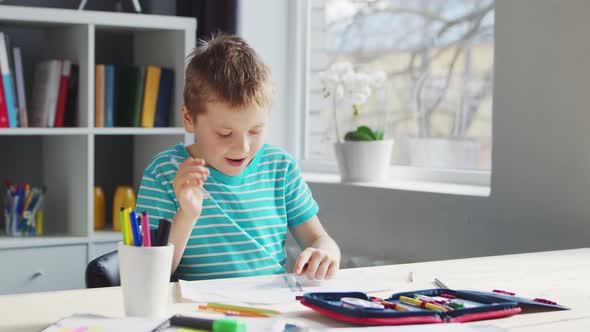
pixel 94 323
pixel 271 289
pixel 257 291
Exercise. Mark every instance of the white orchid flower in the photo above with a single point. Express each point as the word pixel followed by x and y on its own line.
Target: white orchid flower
pixel 378 78
pixel 341 68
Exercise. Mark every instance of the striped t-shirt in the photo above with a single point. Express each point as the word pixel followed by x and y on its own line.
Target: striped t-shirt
pixel 243 224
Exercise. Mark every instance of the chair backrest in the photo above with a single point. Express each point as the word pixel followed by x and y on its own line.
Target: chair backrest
pixel 103 271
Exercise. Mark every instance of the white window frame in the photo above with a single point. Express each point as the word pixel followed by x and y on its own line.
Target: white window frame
pixel 299 31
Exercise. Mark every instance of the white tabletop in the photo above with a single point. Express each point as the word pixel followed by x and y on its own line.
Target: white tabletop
pixel 561 276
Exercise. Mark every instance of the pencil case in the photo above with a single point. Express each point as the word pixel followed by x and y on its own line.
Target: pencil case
pixel 475 306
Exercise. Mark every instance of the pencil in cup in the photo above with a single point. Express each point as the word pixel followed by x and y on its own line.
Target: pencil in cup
pixel 145 230
pixel 162 233
pixel 135 233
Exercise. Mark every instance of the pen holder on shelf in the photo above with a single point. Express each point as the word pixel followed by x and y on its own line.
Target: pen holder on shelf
pixel 23 210
pixel 124 197
pixel 145 279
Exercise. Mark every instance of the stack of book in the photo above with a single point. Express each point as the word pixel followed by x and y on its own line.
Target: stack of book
pixel 132 96
pixel 55 87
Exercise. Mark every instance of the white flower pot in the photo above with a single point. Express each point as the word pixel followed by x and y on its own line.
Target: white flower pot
pixel 363 161
pixel 443 153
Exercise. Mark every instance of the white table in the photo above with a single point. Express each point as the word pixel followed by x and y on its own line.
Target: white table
pixel 562 276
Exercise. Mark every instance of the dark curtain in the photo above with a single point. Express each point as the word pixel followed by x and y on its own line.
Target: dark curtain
pixel 212 15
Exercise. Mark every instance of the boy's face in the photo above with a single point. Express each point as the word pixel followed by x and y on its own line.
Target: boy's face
pixel 227 138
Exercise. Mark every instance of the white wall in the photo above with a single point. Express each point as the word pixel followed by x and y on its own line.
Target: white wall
pixel 541 158
pixel 264 25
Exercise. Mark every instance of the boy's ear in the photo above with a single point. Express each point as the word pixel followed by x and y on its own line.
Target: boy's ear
pixel 187 119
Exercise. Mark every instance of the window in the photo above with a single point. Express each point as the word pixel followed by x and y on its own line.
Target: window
pixel 438 58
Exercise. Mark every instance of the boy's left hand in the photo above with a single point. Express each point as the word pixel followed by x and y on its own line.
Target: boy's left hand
pixel 316 264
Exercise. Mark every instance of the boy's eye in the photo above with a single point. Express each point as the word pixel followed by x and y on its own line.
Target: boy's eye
pixel 255 132
pixel 224 134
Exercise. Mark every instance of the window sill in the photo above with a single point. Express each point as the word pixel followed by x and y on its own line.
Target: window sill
pixel 405 185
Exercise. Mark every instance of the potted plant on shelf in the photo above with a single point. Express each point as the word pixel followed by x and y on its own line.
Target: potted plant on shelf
pixel 363 154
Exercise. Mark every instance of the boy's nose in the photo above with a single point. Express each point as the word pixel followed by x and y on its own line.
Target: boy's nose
pixel 242 145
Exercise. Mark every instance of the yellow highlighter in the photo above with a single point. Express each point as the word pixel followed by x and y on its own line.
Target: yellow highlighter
pixel 127 227
pixel 122 220
pixel 421 304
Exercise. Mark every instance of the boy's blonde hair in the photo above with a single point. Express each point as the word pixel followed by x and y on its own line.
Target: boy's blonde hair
pixel 226 69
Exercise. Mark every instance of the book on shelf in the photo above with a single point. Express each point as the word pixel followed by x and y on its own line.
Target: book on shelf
pixel 109 96
pixel 164 101
pixel 150 96
pixel 46 88
pixel 139 87
pixel 71 116
pixel 99 97
pixel 54 83
pixel 9 55
pixel 126 82
pixel 20 87
pixel 4 123
pixel 63 94
pixel 7 82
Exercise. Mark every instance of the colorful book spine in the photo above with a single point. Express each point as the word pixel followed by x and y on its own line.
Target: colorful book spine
pixel 3 111
pixel 138 95
pixel 45 86
pixel 7 83
pixel 63 93
pixel 150 96
pixel 72 103
pixel 164 102
pixel 109 96
pixel 20 87
pixel 54 82
pixel 99 97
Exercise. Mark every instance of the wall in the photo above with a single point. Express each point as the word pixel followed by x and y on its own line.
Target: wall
pixel 541 158
pixel 264 25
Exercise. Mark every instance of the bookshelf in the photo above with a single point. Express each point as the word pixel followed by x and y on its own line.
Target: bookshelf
pixel 71 161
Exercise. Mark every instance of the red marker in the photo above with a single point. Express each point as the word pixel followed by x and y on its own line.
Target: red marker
pixel 145 230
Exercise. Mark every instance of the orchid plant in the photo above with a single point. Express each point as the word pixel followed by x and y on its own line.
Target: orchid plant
pixel 344 84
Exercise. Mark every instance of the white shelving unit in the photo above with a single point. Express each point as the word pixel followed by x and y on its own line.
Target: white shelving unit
pixel 71 161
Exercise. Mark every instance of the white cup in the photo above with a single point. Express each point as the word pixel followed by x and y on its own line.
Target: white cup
pixel 145 279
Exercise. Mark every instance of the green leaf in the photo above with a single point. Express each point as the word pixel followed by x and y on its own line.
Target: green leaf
pixel 358 136
pixel 367 132
pixel 351 136
pixel 379 134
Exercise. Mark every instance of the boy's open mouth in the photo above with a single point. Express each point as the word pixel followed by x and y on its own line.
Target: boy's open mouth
pixel 236 162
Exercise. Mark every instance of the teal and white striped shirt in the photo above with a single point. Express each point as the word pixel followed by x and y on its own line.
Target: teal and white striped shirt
pixel 243 225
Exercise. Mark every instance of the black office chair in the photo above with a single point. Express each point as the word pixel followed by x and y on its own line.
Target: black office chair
pixel 103 271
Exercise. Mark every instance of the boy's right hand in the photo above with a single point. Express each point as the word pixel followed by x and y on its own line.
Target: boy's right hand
pixel 188 187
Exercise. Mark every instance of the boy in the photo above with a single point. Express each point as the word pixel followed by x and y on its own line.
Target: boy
pixel 231 197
